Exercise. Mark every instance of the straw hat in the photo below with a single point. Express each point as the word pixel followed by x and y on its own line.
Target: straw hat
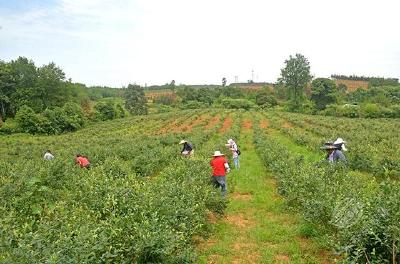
pixel 327 147
pixel 182 141
pixel 340 142
pixel 218 153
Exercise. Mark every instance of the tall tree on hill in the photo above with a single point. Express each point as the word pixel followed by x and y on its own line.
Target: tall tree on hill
pixel 50 86
pixel 24 74
pixel 295 77
pixel 135 100
pixel 7 88
pixel 323 92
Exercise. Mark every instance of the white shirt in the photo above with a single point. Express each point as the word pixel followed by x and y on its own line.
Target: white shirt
pixel 234 149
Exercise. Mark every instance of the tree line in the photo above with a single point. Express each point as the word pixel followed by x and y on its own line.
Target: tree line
pixel 373 81
pixel 42 100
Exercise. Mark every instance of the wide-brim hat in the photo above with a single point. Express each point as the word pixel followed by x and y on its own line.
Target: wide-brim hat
pixel 182 141
pixel 218 153
pixel 230 141
pixel 339 141
pixel 327 147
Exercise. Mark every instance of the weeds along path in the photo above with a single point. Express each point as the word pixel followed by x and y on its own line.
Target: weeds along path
pixel 257 227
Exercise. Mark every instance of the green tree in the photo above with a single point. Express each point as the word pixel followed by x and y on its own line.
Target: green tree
pixel 265 98
pixel 135 100
pixel 24 74
pixel 295 76
pixel 50 86
pixel 7 88
pixel 323 92
pixel 75 118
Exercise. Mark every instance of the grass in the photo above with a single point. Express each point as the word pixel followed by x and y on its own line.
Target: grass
pixel 257 227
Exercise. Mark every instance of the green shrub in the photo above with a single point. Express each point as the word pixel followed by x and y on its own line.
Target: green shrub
pixel 237 103
pixel 193 105
pixel 105 111
pixel 75 118
pixel 370 110
pixel 27 120
pixel 9 127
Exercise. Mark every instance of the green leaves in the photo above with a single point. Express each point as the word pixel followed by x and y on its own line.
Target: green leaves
pixel 295 77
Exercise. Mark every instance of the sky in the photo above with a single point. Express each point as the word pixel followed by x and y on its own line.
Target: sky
pixel 151 42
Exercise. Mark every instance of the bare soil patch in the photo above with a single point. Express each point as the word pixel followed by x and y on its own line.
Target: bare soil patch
pixel 264 123
pixel 287 124
pixel 226 125
pixel 247 124
pixel 242 196
pixel 203 244
pixel 190 126
pixel 166 128
pixel 249 258
pixel 282 258
pixel 241 221
pixel 213 122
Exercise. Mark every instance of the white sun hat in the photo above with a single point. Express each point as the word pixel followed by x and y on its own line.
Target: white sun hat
pixel 218 153
pixel 230 141
pixel 340 141
pixel 182 141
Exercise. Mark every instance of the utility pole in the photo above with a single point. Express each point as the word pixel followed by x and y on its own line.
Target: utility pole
pixel 252 76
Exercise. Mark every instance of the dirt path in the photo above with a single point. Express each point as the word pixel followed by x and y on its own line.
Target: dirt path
pixel 257 227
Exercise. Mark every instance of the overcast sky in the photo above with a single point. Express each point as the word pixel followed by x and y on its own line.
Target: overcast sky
pixel 114 43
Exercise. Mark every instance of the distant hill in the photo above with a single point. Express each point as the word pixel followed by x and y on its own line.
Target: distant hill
pixel 354 82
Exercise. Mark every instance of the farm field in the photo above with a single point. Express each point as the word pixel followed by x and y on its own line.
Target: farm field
pixel 143 203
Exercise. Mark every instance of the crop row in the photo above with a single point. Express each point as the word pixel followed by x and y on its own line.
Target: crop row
pixel 56 212
pixel 359 215
pixel 373 147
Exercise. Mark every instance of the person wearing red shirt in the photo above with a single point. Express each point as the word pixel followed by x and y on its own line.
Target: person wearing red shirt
pixel 82 161
pixel 220 167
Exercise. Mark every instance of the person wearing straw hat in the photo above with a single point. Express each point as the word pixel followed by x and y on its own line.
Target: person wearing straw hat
pixel 333 153
pixel 235 152
pixel 187 149
pixel 220 167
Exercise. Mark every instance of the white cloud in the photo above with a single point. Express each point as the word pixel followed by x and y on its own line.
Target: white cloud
pixel 154 41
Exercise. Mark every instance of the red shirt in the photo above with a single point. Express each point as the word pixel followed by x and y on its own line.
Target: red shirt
pixel 83 162
pixel 218 166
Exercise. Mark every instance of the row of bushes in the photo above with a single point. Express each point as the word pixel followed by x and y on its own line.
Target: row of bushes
pixel 367 110
pixel 55 212
pixel 106 215
pixel 360 216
